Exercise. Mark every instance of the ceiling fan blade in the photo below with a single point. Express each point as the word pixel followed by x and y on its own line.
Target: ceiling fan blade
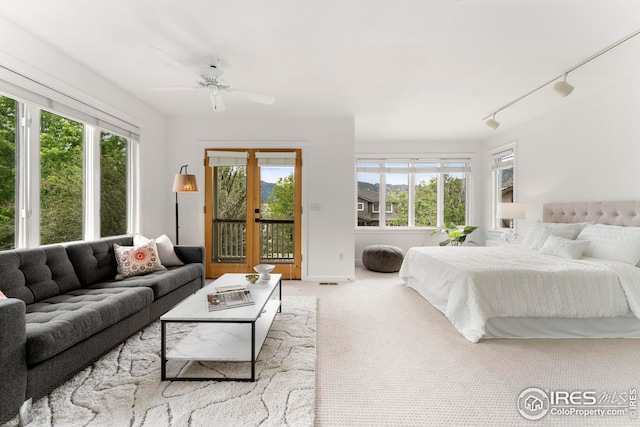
pixel 167 59
pixel 216 102
pixel 250 96
pixel 161 88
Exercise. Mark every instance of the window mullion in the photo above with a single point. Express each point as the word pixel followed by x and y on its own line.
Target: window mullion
pixel 440 198
pixel 411 198
pixel 29 177
pixel 91 187
pixel 382 202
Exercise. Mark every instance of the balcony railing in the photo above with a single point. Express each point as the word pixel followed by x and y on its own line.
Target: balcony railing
pixel 276 240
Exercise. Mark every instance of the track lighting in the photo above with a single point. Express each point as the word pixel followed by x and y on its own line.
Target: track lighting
pixel 493 123
pixel 563 88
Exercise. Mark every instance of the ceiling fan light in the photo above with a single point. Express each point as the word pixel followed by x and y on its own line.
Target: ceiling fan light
pixel 563 88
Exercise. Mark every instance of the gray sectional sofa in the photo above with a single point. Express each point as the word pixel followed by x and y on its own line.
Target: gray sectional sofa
pixel 65 309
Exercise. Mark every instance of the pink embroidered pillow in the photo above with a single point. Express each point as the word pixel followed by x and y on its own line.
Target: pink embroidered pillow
pixel 137 260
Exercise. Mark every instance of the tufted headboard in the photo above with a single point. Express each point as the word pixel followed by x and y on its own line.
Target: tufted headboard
pixel 626 214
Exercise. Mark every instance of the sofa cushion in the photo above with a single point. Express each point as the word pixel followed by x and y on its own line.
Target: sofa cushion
pixel 162 282
pixel 36 274
pixel 95 261
pixel 57 323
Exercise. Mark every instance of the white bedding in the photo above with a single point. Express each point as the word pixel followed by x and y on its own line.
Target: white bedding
pixel 473 284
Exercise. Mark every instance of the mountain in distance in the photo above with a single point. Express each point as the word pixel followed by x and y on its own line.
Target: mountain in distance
pixel 266 189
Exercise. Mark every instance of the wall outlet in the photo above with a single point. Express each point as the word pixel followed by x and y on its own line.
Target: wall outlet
pixel 341 256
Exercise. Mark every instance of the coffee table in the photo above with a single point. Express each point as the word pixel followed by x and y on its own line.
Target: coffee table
pixel 230 335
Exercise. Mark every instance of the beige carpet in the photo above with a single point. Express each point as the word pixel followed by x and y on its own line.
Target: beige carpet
pixel 386 357
pixel 124 389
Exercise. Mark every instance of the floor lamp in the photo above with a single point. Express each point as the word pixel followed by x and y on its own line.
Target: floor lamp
pixel 183 183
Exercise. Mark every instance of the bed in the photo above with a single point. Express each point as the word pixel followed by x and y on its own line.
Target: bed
pixel 574 275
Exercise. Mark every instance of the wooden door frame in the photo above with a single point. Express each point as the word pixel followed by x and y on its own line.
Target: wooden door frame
pixel 288 271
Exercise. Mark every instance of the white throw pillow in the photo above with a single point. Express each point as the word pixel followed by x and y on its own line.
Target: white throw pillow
pixel 167 254
pixel 612 242
pixel 564 248
pixel 538 235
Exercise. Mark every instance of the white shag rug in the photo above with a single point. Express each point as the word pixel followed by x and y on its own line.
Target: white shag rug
pixel 123 388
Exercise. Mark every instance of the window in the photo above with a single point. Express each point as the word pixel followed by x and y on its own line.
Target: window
pixel 61 158
pixel 113 184
pixel 360 207
pixel 7 172
pixel 48 193
pixel 418 193
pixel 502 182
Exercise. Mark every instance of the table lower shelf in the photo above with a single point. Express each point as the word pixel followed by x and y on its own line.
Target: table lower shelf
pixel 225 342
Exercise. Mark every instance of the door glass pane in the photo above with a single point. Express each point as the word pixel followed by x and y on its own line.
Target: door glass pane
pixel 455 207
pixel 7 172
pixel 113 185
pixel 230 212
pixel 426 199
pixel 368 198
pixel 60 179
pixel 277 208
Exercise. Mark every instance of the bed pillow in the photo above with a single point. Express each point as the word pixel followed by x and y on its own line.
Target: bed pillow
pixel 564 248
pixel 167 254
pixel 137 260
pixel 612 242
pixel 538 235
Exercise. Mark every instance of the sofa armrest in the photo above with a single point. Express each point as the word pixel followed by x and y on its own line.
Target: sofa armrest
pixel 190 254
pixel 13 357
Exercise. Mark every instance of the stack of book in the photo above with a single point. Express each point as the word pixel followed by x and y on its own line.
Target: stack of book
pixel 229 297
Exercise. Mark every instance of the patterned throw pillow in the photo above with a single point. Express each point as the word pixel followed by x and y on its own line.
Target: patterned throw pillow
pixel 137 260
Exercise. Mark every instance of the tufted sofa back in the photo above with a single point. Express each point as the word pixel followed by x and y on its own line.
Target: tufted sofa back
pixel 95 261
pixel 33 275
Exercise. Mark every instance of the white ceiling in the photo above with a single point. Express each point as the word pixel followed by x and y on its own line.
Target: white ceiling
pixel 406 70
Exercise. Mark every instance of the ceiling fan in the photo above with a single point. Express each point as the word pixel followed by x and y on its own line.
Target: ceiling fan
pixel 209 77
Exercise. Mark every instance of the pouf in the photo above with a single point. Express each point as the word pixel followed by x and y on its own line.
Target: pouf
pixel 382 258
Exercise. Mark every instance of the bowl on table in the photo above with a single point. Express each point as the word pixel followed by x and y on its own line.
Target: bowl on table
pixel 252 278
pixel 264 270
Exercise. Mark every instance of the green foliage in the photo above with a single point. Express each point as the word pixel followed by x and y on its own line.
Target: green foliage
pixel 280 204
pixel 61 177
pixel 231 192
pixel 426 202
pixel 7 172
pixel 457 234
pixel 113 185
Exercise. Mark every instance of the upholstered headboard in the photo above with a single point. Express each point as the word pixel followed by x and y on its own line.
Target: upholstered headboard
pixel 626 214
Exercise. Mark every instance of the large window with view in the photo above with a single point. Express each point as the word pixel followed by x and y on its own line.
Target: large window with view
pixel 48 193
pixel 416 193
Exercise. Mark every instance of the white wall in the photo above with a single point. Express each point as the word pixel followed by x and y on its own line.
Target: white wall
pixel 406 238
pixel 327 180
pixel 25 54
pixel 588 150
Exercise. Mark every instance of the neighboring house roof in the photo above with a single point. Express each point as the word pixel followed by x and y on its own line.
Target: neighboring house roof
pixel 368 195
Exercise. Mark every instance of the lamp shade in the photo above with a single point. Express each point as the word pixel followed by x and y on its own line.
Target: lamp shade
pixel 510 211
pixel 185 183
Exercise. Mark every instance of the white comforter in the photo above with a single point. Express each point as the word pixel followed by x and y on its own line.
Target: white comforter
pixel 472 284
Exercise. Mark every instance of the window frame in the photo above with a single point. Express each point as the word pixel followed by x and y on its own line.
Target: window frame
pixel 28 173
pixel 497 165
pixel 411 169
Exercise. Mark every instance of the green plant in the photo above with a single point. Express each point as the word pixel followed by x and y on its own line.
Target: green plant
pixel 457 233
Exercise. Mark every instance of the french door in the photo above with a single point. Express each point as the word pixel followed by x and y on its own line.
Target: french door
pixel 253 211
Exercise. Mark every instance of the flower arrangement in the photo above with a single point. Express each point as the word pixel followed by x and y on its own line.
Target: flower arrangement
pixel 457 234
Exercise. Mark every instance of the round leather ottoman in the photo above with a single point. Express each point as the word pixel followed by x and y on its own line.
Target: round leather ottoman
pixel 382 258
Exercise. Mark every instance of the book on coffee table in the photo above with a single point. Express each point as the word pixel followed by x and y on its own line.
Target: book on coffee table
pixel 229 298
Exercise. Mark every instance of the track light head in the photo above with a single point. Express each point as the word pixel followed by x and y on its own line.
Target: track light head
pixel 563 88
pixel 493 123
